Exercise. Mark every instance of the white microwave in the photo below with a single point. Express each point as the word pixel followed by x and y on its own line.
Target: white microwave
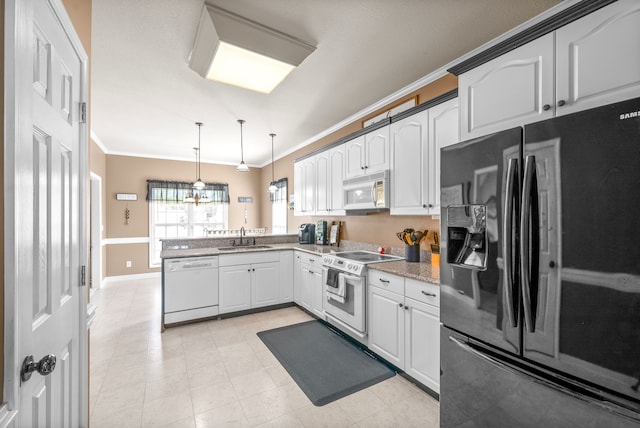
pixel 369 192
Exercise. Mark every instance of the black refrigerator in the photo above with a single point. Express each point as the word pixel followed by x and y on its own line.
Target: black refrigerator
pixel 540 274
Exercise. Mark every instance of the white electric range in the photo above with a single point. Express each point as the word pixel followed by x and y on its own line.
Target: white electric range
pixel 345 278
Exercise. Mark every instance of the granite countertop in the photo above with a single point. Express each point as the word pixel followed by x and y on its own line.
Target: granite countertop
pixel 215 251
pixel 422 271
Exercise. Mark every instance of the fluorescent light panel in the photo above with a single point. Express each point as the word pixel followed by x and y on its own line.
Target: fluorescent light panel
pixel 246 69
pixel 242 52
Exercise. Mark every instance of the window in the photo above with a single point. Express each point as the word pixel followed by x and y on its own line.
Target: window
pixel 279 208
pixel 169 217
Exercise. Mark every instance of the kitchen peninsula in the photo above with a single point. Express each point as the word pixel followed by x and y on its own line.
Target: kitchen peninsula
pixel 399 300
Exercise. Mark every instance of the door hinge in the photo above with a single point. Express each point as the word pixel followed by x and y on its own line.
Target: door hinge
pixel 83 276
pixel 83 112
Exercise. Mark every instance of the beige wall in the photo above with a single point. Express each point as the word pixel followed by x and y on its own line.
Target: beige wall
pixel 374 228
pixel 126 174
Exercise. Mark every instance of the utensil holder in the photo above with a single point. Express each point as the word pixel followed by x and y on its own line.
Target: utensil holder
pixel 412 253
pixel 435 259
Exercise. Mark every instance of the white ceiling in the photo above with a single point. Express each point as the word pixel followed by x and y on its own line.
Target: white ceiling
pixel 145 99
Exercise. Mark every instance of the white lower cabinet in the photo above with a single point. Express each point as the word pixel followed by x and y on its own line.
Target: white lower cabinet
pixel 264 284
pixel 286 277
pixel 386 325
pixel 404 328
pixel 297 278
pixel 310 283
pixel 253 280
pixel 235 288
pixel 422 343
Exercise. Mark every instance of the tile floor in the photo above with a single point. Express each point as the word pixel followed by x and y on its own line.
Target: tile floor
pixel 217 373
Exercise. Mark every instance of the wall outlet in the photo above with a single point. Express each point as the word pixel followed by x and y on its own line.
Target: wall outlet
pixel 128 263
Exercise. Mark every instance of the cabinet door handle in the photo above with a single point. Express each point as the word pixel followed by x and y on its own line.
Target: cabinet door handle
pixel 311 260
pixel 561 103
pixel 361 167
pixel 386 281
pixel 400 304
pixel 427 293
pixel 546 107
pixel 406 308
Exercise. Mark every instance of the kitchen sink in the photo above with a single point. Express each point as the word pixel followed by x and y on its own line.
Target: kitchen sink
pixel 244 248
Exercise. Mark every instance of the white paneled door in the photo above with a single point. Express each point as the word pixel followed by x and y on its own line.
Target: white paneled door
pixel 45 216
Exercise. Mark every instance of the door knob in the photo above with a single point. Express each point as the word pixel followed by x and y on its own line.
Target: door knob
pixel 45 366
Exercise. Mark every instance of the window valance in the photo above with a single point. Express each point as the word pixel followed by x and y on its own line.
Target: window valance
pixel 175 191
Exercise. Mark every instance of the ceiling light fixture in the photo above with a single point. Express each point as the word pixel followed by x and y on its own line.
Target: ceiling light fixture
pixel 272 186
pixel 238 51
pixel 198 195
pixel 242 167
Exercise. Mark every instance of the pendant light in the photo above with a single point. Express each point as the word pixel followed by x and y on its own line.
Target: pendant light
pixel 242 167
pixel 272 186
pixel 198 185
pixel 198 194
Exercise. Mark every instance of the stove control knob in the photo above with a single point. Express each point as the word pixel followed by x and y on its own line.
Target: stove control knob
pixel 349 266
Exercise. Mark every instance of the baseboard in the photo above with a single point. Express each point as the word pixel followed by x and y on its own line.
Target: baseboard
pixel 131 277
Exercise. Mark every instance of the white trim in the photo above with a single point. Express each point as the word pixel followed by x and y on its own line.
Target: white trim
pixel 131 240
pixel 99 142
pixel 132 277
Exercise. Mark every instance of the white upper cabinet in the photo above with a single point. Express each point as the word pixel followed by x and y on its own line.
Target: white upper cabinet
pixel 589 62
pixel 336 175
pixel 377 150
pixel 409 161
pixel 415 158
pixel 598 58
pixel 323 185
pixel 304 184
pixel 329 176
pixel 444 121
pixel 508 91
pixel 367 154
pixel 354 155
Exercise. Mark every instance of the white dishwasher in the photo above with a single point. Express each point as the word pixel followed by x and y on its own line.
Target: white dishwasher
pixel 190 288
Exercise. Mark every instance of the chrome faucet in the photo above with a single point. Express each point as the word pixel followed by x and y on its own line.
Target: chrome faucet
pixel 242 233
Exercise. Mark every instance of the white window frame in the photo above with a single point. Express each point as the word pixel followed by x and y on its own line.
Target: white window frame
pixel 282 216
pixel 155 245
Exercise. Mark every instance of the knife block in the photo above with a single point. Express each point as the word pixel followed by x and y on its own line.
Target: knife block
pixel 412 253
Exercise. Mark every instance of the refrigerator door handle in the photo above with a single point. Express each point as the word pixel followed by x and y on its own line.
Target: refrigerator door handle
pixel 507 241
pixel 529 225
